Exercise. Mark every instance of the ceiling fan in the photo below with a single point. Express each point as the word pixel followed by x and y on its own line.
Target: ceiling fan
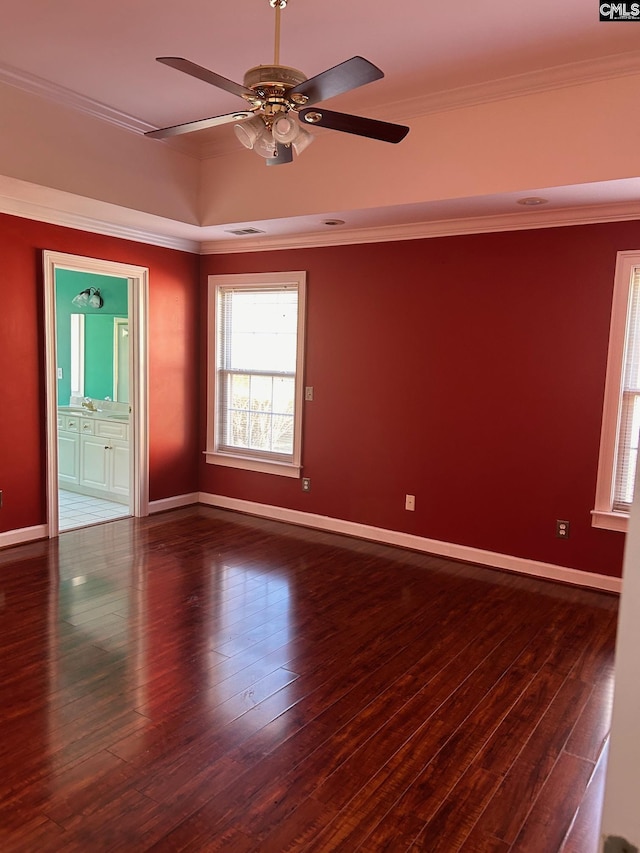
pixel 275 94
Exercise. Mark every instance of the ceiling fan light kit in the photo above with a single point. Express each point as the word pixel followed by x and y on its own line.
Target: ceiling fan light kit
pixel 278 95
pixel 303 140
pixel 265 145
pixel 285 129
pixel 249 131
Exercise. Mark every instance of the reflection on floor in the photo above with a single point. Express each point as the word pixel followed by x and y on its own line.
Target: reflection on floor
pixel 81 510
pixel 203 680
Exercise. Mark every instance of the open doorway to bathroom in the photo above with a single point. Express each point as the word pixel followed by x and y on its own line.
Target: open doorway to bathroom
pixel 96 391
pixel 92 373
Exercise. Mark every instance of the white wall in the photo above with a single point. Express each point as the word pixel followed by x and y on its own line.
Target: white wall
pixel 621 813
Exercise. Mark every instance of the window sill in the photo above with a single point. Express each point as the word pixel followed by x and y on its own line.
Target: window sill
pixel 282 469
pixel 610 520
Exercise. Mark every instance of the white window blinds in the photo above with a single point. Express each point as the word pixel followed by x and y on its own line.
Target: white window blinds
pixel 629 417
pixel 255 371
pixel 256 366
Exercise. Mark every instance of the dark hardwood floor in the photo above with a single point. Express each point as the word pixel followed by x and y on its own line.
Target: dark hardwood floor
pixel 202 681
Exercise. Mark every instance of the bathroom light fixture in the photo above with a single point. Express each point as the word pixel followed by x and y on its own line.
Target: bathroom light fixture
pixel 90 297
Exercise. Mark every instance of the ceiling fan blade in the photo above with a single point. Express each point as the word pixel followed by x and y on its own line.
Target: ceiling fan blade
pixel 341 78
pixel 201 124
pixel 372 128
pixel 285 155
pixel 204 74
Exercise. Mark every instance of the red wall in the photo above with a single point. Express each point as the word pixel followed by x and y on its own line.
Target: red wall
pixel 468 371
pixel 173 362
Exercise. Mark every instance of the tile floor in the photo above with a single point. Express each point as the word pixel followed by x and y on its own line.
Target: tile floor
pixel 82 510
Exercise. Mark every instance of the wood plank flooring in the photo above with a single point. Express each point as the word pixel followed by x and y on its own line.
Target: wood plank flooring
pixel 203 681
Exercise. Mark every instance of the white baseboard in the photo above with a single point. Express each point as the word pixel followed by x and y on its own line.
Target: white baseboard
pixel 23 534
pixel 174 502
pixel 491 559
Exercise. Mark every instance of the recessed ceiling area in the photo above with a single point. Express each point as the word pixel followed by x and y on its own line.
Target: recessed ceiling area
pixel 504 102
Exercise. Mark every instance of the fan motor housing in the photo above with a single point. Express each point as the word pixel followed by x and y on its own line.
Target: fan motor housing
pixel 273 75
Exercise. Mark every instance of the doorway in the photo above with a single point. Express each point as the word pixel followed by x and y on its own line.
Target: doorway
pixel 96 365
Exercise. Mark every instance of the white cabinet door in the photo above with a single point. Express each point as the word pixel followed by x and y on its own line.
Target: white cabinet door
pixel 94 462
pixel 119 467
pixel 68 457
pixel 93 455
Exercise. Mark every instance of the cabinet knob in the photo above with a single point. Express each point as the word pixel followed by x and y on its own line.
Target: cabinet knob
pixel 106 447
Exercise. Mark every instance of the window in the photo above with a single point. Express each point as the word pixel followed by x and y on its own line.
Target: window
pixel 255 358
pixel 621 414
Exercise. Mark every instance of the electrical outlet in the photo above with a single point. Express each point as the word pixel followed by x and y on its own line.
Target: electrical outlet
pixel 306 484
pixel 410 502
pixel 562 529
pixel 308 393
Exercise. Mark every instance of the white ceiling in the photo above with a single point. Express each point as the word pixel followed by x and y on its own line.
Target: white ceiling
pixel 105 53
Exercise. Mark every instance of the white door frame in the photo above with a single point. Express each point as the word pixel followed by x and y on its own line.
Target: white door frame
pixel 138 289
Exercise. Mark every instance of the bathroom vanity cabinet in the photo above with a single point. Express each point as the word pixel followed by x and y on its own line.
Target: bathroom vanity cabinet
pixel 93 456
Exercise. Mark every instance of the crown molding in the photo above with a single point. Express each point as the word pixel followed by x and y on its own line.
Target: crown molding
pixel 196 244
pixel 530 83
pixel 35 85
pixel 67 97
pixel 53 216
pixel 422 230
pixel 533 82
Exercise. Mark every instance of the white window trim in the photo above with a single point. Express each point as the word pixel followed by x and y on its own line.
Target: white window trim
pixel 237 460
pixel 602 515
